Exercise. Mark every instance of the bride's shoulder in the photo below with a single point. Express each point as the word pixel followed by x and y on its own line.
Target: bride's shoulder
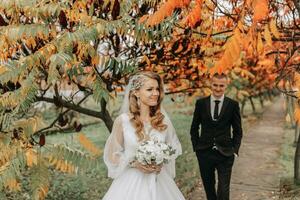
pixel 122 117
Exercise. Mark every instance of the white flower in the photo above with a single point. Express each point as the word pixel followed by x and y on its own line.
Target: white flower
pixel 154 152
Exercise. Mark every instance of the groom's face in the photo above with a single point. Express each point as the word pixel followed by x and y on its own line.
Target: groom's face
pixel 218 86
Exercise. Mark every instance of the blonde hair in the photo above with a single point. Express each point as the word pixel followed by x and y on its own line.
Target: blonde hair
pixel 156 117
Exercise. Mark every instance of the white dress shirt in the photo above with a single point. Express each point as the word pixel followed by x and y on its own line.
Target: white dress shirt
pixel 212 105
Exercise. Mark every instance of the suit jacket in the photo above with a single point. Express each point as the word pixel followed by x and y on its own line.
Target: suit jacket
pixel 217 133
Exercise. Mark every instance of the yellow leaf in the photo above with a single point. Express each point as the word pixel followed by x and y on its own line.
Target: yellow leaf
pixel 13 185
pixel 260 46
pixel 297 77
pixel 237 35
pixel 274 29
pixel 146 59
pixel 267 35
pixel 2 69
pixel 59 165
pixel 298 94
pixel 31 157
pixel 240 25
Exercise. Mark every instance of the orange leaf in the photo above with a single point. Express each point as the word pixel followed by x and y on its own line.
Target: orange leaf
pixel 261 10
pixel 235 48
pixel 208 36
pixel 212 70
pixel 297 114
pixel 248 2
pixel 86 143
pixel 295 59
pixel 195 15
pixel 266 62
pixel 95 60
pixel 143 18
pixel 220 70
pixel 165 10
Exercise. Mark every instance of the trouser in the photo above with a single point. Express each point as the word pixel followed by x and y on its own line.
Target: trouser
pixel 211 160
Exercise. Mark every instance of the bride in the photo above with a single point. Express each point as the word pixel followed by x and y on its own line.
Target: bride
pixel 142 119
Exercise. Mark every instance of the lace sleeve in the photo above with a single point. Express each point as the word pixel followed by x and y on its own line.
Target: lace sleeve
pixel 114 156
pixel 172 140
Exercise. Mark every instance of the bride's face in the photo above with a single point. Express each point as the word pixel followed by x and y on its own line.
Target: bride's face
pixel 149 92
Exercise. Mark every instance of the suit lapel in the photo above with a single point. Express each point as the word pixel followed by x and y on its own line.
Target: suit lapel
pixel 224 106
pixel 207 105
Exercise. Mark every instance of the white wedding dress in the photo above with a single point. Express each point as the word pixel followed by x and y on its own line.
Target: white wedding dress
pixel 130 183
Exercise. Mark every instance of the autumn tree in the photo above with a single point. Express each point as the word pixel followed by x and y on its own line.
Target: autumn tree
pixel 91 46
pixel 256 42
pixel 48 47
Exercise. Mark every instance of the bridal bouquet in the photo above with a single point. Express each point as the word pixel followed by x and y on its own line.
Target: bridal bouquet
pixel 154 152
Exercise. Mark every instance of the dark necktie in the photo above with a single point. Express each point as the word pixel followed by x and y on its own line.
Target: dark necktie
pixel 216 111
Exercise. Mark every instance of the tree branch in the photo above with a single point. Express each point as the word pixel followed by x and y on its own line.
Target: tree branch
pixel 73 107
pixel 61 114
pixel 297 5
pixel 184 90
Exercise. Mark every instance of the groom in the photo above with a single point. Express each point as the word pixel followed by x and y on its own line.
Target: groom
pixel 215 145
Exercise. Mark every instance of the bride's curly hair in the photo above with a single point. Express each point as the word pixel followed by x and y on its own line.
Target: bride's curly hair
pixel 156 117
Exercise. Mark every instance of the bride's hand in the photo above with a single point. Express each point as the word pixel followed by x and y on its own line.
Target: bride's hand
pixel 148 169
pixel 157 168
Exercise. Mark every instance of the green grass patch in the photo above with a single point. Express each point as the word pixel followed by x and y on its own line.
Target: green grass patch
pixel 288 188
pixel 93 184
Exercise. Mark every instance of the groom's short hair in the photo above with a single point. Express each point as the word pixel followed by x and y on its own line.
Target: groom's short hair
pixel 220 76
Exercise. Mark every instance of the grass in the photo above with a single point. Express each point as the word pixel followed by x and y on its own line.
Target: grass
pixel 289 190
pixel 93 184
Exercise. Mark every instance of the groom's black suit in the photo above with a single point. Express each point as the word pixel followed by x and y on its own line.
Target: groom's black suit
pixel 215 146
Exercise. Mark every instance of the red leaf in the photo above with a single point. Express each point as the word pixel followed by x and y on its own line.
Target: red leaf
pixel 42 140
pixel 63 19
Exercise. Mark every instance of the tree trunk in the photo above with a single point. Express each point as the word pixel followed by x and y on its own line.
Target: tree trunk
pixel 297 129
pixel 106 116
pixel 243 106
pixel 252 104
pixel 261 100
pixel 269 95
pixel 297 163
pixel 290 109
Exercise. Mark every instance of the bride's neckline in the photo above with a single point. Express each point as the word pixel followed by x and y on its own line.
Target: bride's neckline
pixel 144 122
